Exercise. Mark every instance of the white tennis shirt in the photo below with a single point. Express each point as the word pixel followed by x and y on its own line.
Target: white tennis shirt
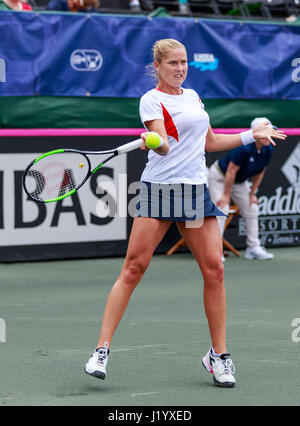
pixel 186 124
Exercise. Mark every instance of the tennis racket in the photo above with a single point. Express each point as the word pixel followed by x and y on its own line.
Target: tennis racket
pixel 58 174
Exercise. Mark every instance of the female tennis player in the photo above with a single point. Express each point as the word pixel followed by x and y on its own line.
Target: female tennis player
pixel 179 117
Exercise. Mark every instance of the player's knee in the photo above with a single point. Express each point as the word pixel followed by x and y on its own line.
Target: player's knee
pixel 218 273
pixel 134 272
pixel 214 274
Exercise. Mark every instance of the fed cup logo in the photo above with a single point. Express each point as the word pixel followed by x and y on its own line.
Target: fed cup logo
pixel 86 60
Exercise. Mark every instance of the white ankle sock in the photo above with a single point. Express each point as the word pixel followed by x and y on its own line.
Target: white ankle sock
pixel 214 353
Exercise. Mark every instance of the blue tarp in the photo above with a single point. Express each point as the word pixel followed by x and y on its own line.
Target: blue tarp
pixel 96 55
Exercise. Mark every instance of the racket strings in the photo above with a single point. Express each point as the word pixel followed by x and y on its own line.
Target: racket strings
pixel 56 175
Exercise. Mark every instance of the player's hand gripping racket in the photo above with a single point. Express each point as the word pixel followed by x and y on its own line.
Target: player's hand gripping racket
pixel 57 174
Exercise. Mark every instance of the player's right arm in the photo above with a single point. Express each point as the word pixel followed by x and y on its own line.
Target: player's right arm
pixel 230 175
pixel 157 126
pixel 153 119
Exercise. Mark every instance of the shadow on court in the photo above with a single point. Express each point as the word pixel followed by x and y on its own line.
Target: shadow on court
pixel 52 312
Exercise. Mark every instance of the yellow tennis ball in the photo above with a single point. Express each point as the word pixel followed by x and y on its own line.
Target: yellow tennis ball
pixel 153 140
pixel 81 165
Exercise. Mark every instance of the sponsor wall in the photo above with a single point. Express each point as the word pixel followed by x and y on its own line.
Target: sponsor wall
pixel 92 67
pixel 83 226
pixel 105 56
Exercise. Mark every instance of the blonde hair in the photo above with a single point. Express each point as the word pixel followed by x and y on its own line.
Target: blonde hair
pixel 159 50
pixel 162 47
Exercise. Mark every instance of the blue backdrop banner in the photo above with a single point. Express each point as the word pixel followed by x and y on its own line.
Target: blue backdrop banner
pixel 61 54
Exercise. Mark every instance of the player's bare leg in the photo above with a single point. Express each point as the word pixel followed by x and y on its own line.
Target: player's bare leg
pixel 205 243
pixel 145 235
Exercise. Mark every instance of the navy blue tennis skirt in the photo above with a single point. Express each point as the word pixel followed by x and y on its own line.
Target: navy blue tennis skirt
pixel 177 202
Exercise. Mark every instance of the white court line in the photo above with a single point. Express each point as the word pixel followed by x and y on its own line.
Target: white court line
pixel 63 352
pixel 132 348
pixel 274 361
pixel 143 394
pixel 78 351
pixel 71 351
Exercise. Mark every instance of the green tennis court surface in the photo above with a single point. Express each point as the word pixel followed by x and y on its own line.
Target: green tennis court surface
pixel 53 310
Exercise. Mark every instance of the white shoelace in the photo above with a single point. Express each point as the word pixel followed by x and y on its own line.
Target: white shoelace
pixel 102 355
pixel 228 366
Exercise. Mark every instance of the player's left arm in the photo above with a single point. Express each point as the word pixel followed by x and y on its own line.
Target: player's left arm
pixel 221 142
pixel 256 181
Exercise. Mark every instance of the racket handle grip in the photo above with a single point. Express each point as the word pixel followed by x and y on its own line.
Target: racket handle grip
pixel 129 146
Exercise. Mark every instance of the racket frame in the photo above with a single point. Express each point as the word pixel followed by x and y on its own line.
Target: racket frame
pixel 113 153
pixel 130 146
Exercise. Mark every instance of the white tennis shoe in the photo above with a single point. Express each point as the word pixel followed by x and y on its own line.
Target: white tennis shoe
pixel 221 367
pixel 96 365
pixel 258 252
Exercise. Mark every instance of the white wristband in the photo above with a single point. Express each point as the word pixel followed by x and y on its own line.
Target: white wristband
pixel 247 137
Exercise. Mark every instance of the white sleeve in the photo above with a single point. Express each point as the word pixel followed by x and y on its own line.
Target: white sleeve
pixel 150 108
pixel 198 97
pixel 202 104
